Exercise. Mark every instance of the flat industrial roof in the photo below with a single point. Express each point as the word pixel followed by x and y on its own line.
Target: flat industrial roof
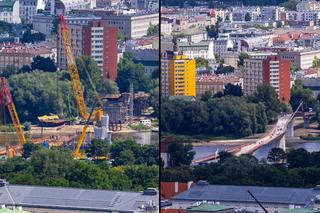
pixel 230 193
pixel 74 198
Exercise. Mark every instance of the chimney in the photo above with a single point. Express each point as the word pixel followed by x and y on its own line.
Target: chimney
pixel 176 187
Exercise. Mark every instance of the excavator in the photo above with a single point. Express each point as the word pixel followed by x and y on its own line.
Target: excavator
pixel 77 88
pixel 6 99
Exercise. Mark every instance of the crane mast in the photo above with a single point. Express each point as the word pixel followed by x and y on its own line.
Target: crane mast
pixel 73 70
pixel 76 86
pixel 5 97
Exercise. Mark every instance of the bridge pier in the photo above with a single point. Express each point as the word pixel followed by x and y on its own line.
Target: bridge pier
pixel 282 143
pixel 290 128
pixel 306 122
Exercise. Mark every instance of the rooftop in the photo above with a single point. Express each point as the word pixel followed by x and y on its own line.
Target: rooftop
pixel 213 78
pixel 74 198
pixel 206 207
pixel 28 49
pixel 230 193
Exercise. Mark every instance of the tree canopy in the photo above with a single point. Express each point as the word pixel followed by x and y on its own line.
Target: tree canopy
pixel 130 72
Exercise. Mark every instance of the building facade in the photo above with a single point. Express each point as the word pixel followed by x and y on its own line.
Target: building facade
pixel 178 75
pixel 9 11
pixel 94 39
pixel 301 59
pixel 28 8
pixel 272 71
pixel 203 49
pixel 182 76
pixel 20 55
pixel 133 26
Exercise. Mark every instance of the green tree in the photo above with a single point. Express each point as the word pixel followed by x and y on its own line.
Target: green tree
pixel 134 73
pixel 247 17
pixel 290 4
pixel 298 158
pixel 88 69
pixel 233 90
pixel 153 29
pixel 44 64
pixel 316 62
pixel 242 57
pixel 180 154
pixel 223 156
pixel 9 71
pixel 268 96
pixel 29 37
pixel 35 94
pixel 28 149
pixel 97 148
pixel 298 94
pixel 224 70
pixel 276 155
pixel 24 69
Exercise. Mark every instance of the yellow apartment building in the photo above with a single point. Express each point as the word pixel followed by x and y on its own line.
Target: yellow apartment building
pixel 182 76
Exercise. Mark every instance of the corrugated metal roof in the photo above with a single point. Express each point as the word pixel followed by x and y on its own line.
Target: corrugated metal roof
pixel 73 198
pixel 228 193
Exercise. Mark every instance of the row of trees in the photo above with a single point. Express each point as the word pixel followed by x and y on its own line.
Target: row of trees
pixel 303 171
pixel 222 114
pixel 56 167
pixel 39 90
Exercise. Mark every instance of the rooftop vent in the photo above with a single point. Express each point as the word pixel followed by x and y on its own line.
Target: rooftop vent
pixel 150 191
pixel 202 183
pixel 3 182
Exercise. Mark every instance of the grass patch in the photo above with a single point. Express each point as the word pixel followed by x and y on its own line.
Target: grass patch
pixel 310 137
pixel 139 127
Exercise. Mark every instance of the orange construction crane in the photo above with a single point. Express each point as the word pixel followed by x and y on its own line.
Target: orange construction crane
pixel 76 85
pixel 6 99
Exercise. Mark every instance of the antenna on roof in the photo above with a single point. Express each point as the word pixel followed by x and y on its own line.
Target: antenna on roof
pixel 265 210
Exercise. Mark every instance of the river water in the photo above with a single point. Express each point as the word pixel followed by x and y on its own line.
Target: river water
pixel 206 150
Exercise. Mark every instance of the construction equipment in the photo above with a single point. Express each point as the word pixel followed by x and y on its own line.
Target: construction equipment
pixel 76 86
pixel 6 99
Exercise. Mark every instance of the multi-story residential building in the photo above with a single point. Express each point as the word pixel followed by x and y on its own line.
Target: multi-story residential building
pixel 18 55
pixel 221 45
pixel 215 83
pixel 238 14
pixel 94 39
pixel 203 49
pixel 300 59
pixel 273 71
pixel 9 11
pixel 182 76
pixel 306 16
pixel 133 25
pixel 308 5
pixel 43 23
pixel 273 13
pixel 164 75
pixel 178 75
pixel 28 8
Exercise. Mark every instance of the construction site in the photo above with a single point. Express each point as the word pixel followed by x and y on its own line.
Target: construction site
pixel 108 116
